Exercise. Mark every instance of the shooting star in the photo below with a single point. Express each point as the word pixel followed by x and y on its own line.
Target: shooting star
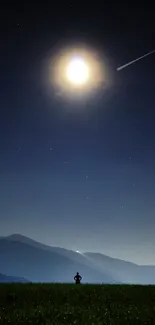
pixel 131 62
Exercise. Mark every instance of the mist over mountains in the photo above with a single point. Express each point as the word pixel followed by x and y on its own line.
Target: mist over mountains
pixel 24 258
pixel 11 279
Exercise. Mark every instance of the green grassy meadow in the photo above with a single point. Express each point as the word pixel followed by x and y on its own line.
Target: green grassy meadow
pixel 76 304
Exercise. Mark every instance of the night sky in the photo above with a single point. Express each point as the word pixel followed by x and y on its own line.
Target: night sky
pixel 79 173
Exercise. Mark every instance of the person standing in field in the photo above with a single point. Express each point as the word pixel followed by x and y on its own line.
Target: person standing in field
pixel 77 278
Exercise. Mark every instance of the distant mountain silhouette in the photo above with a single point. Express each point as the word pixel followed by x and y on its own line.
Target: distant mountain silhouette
pixel 126 272
pixel 23 257
pixel 10 279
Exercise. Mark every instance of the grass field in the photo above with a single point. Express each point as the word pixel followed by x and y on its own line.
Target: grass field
pixel 72 304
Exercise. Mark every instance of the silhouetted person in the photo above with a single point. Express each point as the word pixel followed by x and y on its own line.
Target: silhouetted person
pixel 77 278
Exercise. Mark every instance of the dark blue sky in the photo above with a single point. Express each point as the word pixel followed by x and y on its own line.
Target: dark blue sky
pixel 80 175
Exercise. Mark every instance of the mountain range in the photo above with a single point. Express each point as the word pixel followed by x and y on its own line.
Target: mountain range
pixel 10 279
pixel 24 258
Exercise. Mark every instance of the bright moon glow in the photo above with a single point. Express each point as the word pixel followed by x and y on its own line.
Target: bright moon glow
pixel 78 71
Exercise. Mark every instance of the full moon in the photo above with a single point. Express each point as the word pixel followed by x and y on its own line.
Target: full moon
pixel 77 71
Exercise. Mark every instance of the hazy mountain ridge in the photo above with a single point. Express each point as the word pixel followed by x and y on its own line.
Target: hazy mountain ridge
pixel 45 265
pixel 11 279
pixel 23 257
pixel 124 271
